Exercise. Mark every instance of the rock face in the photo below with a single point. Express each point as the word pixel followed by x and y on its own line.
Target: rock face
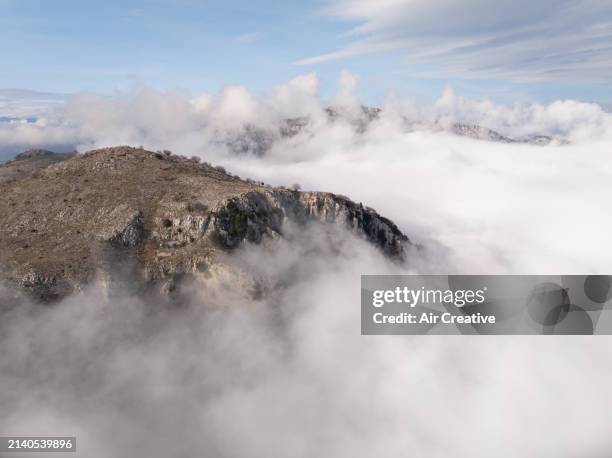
pixel 166 216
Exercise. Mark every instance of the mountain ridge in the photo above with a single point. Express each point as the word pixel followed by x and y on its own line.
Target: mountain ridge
pixel 66 218
pixel 251 139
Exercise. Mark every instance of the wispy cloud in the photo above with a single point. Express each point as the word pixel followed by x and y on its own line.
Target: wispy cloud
pixel 354 49
pixel 516 39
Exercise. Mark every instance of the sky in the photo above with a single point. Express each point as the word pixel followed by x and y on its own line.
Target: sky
pixel 509 51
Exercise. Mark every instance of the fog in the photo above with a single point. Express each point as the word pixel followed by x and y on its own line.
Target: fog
pixel 225 375
pixel 288 373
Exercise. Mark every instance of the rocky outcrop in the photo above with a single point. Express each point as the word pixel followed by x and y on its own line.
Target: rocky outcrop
pixel 43 285
pixel 153 217
pixel 378 230
pixel 257 214
pixel 124 227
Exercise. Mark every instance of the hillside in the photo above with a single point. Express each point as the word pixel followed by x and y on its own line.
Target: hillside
pixel 64 219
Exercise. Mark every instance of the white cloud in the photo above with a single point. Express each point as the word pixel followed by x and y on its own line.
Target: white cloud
pixel 347 84
pixel 298 97
pixel 524 40
pixel 292 376
pixel 183 122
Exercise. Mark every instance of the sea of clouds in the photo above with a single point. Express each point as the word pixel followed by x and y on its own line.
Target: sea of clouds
pixel 288 374
pixel 190 123
pixel 497 207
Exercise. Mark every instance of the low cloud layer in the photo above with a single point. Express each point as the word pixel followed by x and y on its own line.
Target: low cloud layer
pixel 227 376
pixel 200 124
pixel 290 375
pixel 16 103
pixel 523 40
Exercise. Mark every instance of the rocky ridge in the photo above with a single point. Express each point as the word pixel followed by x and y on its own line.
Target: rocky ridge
pixel 68 218
pixel 251 139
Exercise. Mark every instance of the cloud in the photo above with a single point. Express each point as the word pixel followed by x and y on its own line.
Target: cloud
pixel 347 83
pixel 298 97
pixel 355 49
pixel 192 123
pixel 25 103
pixel 289 374
pixel 478 199
pixel 522 40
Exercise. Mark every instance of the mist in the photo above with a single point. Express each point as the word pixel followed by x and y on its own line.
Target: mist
pixel 230 373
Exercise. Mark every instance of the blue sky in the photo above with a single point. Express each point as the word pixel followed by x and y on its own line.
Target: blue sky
pixel 412 47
